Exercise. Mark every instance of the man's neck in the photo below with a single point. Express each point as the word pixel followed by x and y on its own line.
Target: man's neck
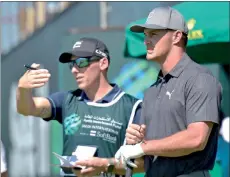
pixel 98 91
pixel 171 61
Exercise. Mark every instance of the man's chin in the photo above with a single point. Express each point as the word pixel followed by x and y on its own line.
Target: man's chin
pixel 81 86
pixel 150 57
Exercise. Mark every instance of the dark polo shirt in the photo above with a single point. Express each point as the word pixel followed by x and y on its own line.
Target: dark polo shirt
pixel 188 93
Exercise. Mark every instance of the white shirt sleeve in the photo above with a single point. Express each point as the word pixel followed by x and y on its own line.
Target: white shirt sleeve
pixel 224 130
pixel 3 159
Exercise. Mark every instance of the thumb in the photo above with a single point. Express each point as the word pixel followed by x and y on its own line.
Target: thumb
pixel 35 65
pixel 143 129
pixel 143 126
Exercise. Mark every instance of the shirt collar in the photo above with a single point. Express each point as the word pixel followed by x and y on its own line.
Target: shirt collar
pixel 107 98
pixel 178 69
pixel 180 66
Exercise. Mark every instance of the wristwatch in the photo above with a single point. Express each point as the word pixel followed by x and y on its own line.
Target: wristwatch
pixel 111 165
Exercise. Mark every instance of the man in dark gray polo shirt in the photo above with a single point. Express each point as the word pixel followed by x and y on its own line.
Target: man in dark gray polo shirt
pixel 180 112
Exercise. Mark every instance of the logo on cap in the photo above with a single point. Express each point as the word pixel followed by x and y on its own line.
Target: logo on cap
pixel 101 53
pixel 150 16
pixel 77 44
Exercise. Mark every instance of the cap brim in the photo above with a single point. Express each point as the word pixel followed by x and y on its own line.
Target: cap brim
pixel 66 56
pixel 140 28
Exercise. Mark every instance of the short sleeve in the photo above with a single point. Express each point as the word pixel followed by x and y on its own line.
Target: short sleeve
pixel 137 118
pixel 56 100
pixel 3 159
pixel 142 113
pixel 203 99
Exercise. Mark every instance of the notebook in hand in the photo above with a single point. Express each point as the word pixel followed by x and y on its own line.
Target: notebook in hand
pixel 81 152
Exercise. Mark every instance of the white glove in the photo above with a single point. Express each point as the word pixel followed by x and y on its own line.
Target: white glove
pixel 127 152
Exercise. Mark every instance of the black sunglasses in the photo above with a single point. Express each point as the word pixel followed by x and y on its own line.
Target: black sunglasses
pixel 82 62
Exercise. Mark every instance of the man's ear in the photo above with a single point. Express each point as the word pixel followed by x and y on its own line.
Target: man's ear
pixel 177 36
pixel 104 63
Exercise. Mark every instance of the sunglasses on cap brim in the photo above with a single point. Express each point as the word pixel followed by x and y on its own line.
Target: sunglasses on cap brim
pixel 82 62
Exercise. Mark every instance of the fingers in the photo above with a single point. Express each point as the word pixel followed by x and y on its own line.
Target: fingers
pixel 136 130
pixel 38 74
pixel 134 127
pixel 37 85
pixel 131 164
pixel 88 163
pixel 37 82
pixel 87 171
pixel 121 158
pixel 127 162
pixel 83 163
pixel 130 139
pixel 135 133
pixel 35 65
pixel 38 71
pixel 133 130
pixel 118 155
pixel 34 78
pixel 38 78
pixel 90 171
pixel 143 128
pixel 77 172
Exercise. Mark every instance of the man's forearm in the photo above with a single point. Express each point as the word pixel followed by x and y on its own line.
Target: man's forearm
pixel 179 144
pixel 25 102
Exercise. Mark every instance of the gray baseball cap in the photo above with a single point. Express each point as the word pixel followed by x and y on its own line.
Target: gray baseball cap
pixel 162 18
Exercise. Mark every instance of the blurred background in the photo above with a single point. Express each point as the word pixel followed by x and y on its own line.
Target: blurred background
pixel 40 31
